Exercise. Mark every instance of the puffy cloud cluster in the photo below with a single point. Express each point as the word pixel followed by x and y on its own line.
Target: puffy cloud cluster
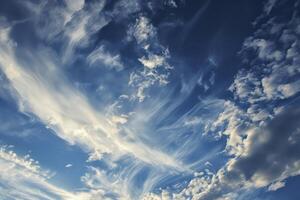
pixel 156 67
pixel 267 157
pixel 256 123
pixel 261 131
pixel 274 70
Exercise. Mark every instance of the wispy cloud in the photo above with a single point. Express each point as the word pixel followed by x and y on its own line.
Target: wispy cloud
pixel 100 57
pixel 23 178
pixel 257 137
pixel 151 131
pixel 46 95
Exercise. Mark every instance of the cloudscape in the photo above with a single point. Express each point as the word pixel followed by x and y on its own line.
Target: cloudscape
pixel 149 100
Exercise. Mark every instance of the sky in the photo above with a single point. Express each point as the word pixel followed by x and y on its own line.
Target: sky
pixel 149 100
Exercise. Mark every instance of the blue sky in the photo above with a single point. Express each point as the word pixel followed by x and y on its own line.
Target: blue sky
pixel 149 100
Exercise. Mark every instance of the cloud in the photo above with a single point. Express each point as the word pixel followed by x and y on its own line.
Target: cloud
pixel 269 6
pixel 261 131
pixel 275 186
pixel 273 78
pixel 23 178
pixel 124 9
pixel 207 76
pixel 171 3
pixel 68 165
pixel 269 156
pixel 97 180
pixel 42 90
pixel 142 30
pixel 155 59
pixel 75 5
pixel 72 25
pixel 193 21
pixel 141 145
pixel 100 56
pixel 36 93
pixel 247 86
pixel 82 26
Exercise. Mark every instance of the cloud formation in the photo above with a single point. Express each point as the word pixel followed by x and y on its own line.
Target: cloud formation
pixel 138 118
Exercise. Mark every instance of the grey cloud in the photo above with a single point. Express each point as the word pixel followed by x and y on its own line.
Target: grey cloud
pixel 275 66
pixel 269 6
pixel 271 155
pixel 263 134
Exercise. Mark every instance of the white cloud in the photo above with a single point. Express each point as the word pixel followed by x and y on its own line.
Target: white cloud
pixel 275 86
pixel 230 122
pixel 68 112
pixel 156 66
pixel 23 178
pixel 144 79
pixel 275 186
pixel 266 49
pixel 100 56
pixel 82 26
pixel 124 8
pixel 75 5
pixel 68 165
pixel 142 30
pixel 264 161
pixel 96 180
pixel 289 89
pixel 247 87
pixel 279 60
pixel 262 137
pixel 42 91
pixel 152 61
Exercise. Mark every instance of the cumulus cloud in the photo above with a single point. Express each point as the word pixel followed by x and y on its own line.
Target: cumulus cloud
pixel 278 62
pixel 269 156
pixel 142 31
pixel 155 59
pixel 266 157
pixel 156 138
pixel 261 136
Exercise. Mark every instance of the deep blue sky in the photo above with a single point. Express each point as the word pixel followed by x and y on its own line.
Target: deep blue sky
pixel 150 100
